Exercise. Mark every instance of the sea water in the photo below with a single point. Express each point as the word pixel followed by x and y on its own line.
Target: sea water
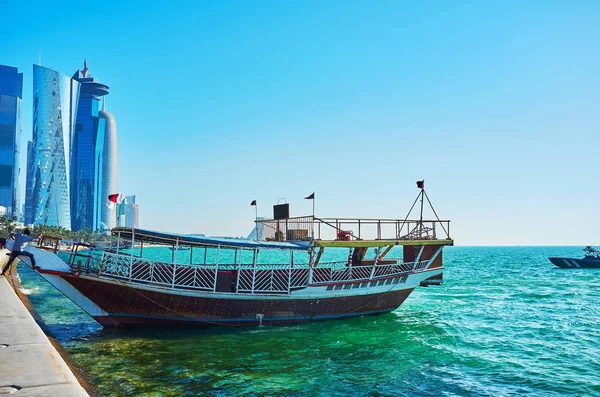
pixel 505 322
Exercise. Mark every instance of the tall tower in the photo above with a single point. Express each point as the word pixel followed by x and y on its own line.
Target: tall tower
pixel 88 140
pixel 28 214
pixel 11 95
pixel 55 98
pixel 131 212
pixel 108 171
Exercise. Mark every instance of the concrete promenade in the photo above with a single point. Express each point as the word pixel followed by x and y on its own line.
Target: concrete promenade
pixel 29 364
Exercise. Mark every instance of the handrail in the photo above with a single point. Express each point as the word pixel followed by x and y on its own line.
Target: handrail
pixel 270 278
pixel 48 243
pixel 309 228
pixel 354 219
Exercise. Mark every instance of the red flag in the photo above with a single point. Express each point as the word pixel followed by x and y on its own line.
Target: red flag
pixel 421 184
pixel 253 202
pixel 311 197
pixel 114 199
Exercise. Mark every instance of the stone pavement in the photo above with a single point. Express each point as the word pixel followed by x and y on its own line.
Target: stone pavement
pixel 29 364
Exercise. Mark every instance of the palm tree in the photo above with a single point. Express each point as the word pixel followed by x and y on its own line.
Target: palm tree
pixel 7 225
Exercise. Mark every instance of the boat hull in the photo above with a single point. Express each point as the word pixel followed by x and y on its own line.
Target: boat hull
pixel 574 263
pixel 126 305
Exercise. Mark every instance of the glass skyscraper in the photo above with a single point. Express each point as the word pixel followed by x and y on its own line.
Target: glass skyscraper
pixel 132 212
pixel 11 95
pixel 86 156
pixel 55 99
pixel 28 212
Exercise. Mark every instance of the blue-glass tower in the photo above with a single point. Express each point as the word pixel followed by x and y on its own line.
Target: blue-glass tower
pixel 55 98
pixel 11 95
pixel 28 212
pixel 86 155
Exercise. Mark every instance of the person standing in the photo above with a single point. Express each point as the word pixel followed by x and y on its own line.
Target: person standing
pixel 21 241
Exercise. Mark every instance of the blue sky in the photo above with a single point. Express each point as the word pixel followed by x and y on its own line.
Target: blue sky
pixel 493 103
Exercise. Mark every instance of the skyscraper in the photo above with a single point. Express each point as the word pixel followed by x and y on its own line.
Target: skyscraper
pixel 86 156
pixel 131 212
pixel 55 98
pixel 11 94
pixel 107 174
pixel 28 211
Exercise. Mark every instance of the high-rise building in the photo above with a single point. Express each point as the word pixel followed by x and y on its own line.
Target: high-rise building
pixel 258 232
pixel 136 216
pixel 87 177
pixel 28 210
pixel 131 212
pixel 55 98
pixel 11 95
pixel 107 174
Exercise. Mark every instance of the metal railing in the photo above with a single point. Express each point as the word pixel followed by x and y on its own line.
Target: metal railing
pixel 308 227
pixel 340 272
pixel 247 279
pixel 273 278
pixel 291 229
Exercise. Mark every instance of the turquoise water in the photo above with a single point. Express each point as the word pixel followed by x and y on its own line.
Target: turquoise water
pixel 504 323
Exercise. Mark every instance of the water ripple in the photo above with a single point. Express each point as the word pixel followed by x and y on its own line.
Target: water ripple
pixel 505 323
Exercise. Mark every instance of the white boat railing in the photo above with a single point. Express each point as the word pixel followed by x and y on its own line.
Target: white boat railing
pixel 246 279
pixel 272 278
pixel 307 228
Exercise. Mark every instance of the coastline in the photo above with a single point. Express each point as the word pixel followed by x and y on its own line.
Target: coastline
pixel 79 374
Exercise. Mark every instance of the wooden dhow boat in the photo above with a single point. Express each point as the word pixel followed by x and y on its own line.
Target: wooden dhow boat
pixel 298 269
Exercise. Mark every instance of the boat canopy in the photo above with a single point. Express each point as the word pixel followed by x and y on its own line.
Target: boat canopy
pixel 154 237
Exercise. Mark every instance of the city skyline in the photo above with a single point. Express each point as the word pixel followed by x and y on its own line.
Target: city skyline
pixel 71 159
pixel 502 127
